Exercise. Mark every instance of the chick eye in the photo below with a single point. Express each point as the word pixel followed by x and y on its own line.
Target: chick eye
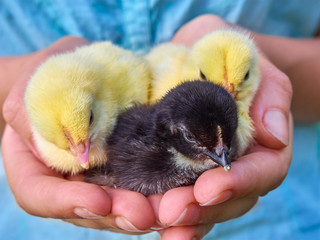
pixel 188 137
pixel 246 76
pixel 202 76
pixel 91 118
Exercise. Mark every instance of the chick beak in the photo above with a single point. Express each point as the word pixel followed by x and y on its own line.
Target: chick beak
pixel 233 94
pixel 222 160
pixel 230 88
pixel 82 154
pixel 220 153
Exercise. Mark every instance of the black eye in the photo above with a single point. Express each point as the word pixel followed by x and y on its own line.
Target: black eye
pixel 91 118
pixel 188 136
pixel 202 76
pixel 246 76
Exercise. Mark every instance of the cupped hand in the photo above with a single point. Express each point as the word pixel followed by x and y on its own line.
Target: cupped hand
pixel 218 196
pixel 183 213
pixel 43 192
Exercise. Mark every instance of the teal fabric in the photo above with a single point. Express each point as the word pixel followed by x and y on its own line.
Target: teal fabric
pixel 290 212
pixel 27 26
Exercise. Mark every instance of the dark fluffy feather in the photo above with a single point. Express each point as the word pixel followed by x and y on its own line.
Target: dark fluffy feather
pixel 140 148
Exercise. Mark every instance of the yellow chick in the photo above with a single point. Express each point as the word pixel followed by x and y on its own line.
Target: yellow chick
pixel 226 57
pixel 73 100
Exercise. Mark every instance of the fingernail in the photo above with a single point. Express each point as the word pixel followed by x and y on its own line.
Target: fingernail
pixel 180 217
pixel 276 123
pixel 126 225
pixel 158 226
pixel 222 197
pixel 85 213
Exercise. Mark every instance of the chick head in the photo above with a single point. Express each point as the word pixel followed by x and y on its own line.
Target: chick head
pixel 200 120
pixel 64 105
pixel 227 58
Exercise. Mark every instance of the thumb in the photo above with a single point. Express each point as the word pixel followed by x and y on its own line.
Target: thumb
pixel 271 107
pixel 43 192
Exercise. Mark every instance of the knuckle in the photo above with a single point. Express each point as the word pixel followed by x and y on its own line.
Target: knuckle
pixel 285 169
pixel 10 110
pixel 279 87
pixel 18 190
pixel 280 82
pixel 285 85
pixel 274 78
pixel 22 205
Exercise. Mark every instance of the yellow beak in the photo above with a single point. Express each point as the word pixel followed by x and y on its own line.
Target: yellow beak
pixel 230 88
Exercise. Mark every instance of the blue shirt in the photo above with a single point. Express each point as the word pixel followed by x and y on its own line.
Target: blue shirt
pixel 290 212
pixel 27 26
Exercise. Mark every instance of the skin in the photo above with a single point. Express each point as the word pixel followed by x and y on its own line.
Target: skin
pixel 302 67
pixel 229 195
pixel 41 191
pixel 177 212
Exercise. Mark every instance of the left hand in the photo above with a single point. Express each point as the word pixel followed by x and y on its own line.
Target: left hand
pixel 43 192
pixel 218 196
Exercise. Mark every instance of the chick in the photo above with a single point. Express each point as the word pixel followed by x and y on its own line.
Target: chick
pixel 73 100
pixel 226 57
pixel 155 148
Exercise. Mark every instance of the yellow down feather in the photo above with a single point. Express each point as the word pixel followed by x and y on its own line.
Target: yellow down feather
pixel 226 57
pixel 99 79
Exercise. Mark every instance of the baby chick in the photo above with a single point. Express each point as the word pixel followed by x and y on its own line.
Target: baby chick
pixel 226 57
pixel 73 100
pixel 155 148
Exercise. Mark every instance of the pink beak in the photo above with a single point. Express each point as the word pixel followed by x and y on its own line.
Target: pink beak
pixel 82 154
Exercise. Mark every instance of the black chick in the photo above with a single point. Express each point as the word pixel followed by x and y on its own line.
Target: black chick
pixel 157 148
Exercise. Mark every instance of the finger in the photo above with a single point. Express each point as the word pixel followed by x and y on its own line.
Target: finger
pixel 180 208
pixel 107 224
pixel 271 107
pixel 189 33
pixel 131 214
pixel 14 111
pixel 131 210
pixel 254 174
pixel 174 204
pixel 224 211
pixel 155 201
pixel 186 232
pixel 43 192
pixel 64 44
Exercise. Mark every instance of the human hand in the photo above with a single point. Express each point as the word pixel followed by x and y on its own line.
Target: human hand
pixel 43 192
pixel 218 196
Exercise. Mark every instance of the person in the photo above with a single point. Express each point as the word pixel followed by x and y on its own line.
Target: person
pixel 42 192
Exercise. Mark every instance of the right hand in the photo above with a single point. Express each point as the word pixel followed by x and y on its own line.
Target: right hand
pixel 223 196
